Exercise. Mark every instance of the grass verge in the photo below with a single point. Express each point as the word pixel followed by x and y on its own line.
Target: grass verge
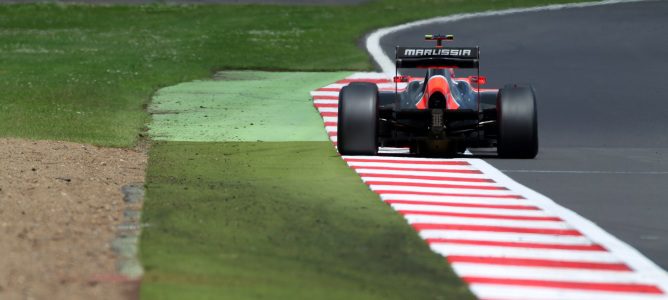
pixel 241 106
pixel 279 220
pixel 83 73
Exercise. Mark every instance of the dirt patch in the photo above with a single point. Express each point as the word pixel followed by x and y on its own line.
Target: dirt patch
pixel 60 204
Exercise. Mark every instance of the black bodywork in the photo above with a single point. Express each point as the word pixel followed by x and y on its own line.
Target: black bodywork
pixel 437 130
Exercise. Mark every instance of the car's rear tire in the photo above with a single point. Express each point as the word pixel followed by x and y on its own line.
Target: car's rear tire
pixel 517 122
pixel 358 119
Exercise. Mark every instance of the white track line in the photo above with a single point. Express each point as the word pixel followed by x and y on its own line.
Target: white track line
pixel 461 207
pixel 637 260
pixel 387 65
pixel 456 205
pixel 589 172
pixel 631 256
pixel 528 248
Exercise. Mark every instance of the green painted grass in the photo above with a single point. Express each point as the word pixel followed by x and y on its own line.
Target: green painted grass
pixel 241 106
pixel 83 73
pixel 232 218
pixel 279 220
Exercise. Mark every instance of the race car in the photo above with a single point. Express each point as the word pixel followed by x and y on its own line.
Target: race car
pixel 438 115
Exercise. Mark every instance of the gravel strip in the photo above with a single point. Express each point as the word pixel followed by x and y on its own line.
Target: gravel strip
pixel 60 205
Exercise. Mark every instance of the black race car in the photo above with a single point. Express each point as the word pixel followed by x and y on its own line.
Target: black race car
pixel 440 114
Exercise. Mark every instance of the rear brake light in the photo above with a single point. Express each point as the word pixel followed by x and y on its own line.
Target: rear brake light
pixel 480 80
pixel 402 78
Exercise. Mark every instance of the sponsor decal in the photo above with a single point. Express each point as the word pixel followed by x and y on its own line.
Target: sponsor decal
pixel 437 52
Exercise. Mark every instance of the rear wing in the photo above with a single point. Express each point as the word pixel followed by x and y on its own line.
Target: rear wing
pixel 450 57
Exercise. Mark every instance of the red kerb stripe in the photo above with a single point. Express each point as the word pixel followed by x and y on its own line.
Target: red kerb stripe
pixel 461 171
pixel 547 263
pixel 480 216
pixel 381 192
pixel 325 97
pixel 424 226
pixel 334 89
pixel 438 185
pixel 329 114
pixel 332 105
pixel 413 162
pixel 451 204
pixel 610 287
pixel 518 244
pixel 444 178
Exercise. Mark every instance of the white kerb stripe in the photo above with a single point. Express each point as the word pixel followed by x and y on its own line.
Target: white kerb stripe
pixel 325 93
pixel 441 190
pixel 637 260
pixel 335 86
pixel 454 199
pixel 631 256
pixel 505 237
pixel 379 178
pixel 326 101
pixel 524 253
pixel 328 109
pixel 471 210
pixel 424 219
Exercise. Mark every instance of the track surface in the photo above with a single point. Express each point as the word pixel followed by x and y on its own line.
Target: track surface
pixel 505 240
pixel 598 72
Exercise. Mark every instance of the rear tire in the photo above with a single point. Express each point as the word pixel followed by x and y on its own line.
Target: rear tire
pixel 517 122
pixel 358 119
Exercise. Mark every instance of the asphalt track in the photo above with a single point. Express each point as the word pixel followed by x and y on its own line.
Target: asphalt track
pixel 599 73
